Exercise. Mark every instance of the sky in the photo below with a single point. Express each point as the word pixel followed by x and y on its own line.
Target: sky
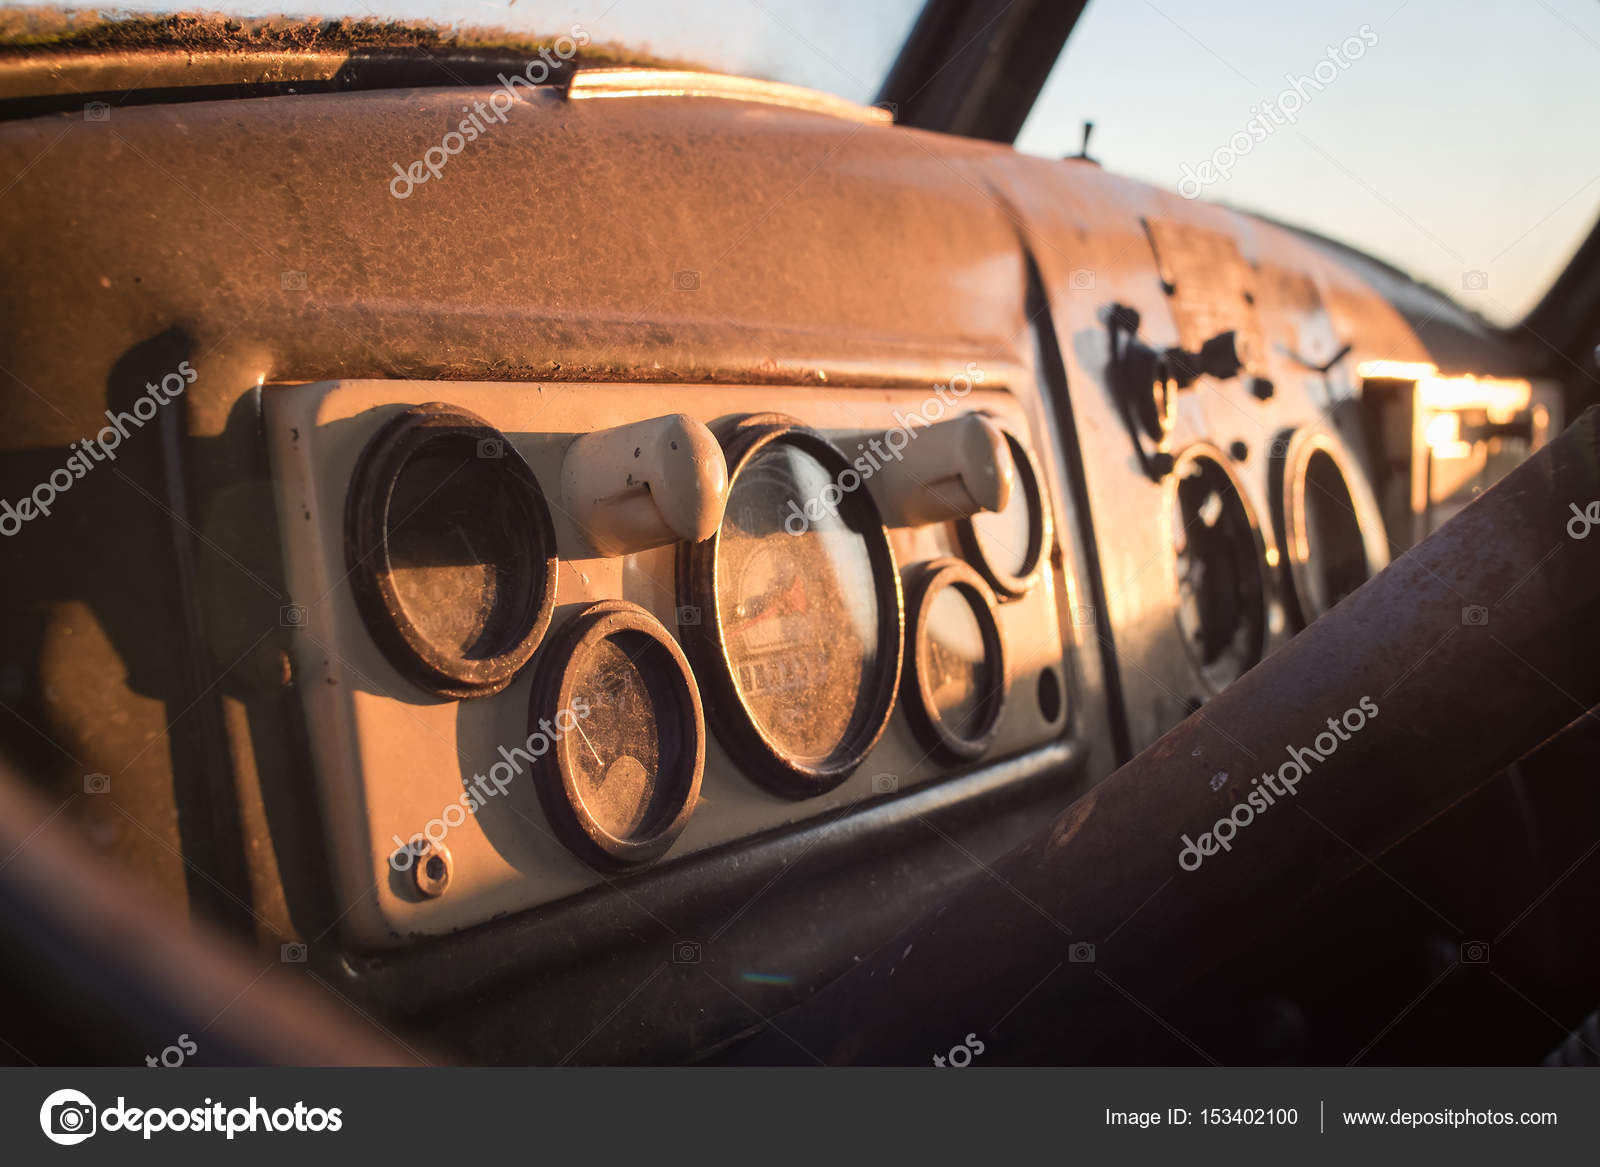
pixel 1457 139
pixel 1463 145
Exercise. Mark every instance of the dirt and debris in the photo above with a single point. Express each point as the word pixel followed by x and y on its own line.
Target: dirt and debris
pixel 40 31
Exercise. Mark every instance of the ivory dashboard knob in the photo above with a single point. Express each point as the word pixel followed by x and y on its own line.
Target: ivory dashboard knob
pixel 645 484
pixel 951 470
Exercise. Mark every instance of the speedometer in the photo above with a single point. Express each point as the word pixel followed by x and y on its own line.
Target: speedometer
pixel 801 619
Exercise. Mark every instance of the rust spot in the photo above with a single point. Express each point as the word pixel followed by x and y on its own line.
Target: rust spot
pixel 1072 821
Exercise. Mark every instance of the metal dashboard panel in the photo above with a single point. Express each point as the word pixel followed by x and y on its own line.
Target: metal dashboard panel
pixel 1101 240
pixel 390 757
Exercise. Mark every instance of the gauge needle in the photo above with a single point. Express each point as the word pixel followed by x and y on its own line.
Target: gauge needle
pixel 592 750
pixel 791 601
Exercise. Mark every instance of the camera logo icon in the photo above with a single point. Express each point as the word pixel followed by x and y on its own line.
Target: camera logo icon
pixel 97 783
pixel 292 281
pixel 1081 279
pixel 688 616
pixel 1474 281
pixel 67 1117
pixel 96 111
pixel 292 616
pixel 686 952
pixel 1474 952
pixel 491 448
pixel 292 953
pixel 1475 615
pixel 686 281
pixel 1081 953
pixel 885 783
pixel 1083 615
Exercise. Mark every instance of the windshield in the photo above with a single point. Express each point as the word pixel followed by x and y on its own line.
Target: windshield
pixel 1455 139
pixel 843 47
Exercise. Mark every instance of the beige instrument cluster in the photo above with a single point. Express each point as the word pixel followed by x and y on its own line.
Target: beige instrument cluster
pixel 536 653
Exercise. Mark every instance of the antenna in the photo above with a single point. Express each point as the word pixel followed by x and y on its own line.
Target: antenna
pixel 1083 150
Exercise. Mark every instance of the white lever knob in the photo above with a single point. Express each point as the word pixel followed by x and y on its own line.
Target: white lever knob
pixel 951 470
pixel 645 485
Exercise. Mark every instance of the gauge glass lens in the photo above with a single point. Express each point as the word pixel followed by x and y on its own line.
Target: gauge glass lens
pixel 622 746
pixel 1219 581
pixel 797 602
pixel 957 669
pixel 460 553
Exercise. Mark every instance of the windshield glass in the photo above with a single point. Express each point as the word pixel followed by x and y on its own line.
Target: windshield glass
pixel 843 47
pixel 1455 139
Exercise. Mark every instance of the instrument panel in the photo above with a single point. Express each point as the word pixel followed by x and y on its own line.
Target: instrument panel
pixel 524 674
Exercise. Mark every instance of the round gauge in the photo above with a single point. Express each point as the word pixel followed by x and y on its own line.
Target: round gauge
pixel 1326 520
pixel 1008 547
pixel 614 697
pixel 796 624
pixel 955 682
pixel 1219 556
pixel 451 551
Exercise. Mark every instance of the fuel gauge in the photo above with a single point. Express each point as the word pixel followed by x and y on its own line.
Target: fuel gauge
pixel 614 694
pixel 1009 546
pixel 955 682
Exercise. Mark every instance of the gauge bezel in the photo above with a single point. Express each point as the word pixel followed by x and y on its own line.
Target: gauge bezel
pixel 552 692
pixel 1289 465
pixel 705 639
pixel 1207 673
pixel 936 735
pixel 1006 585
pixel 445 673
